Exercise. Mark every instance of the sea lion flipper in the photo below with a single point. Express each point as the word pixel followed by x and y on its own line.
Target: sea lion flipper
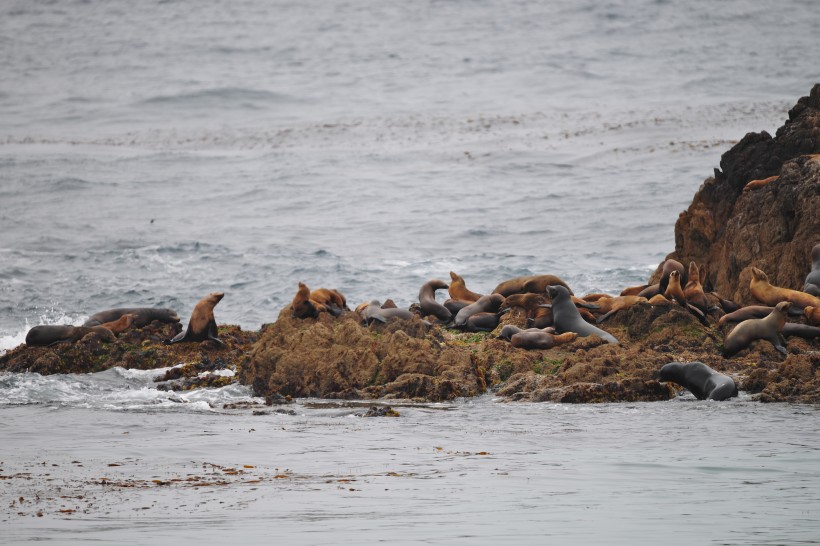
pixel 605 316
pixel 782 349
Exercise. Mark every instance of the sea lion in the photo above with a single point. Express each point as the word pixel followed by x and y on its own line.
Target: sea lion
pixel 373 311
pixel 121 324
pixel 481 322
pixel 667 268
pixel 812 285
pixel 674 291
pixel 454 306
pixel 535 283
pixel 202 325
pixel 769 328
pixel 458 289
pixel 538 283
pixel 50 334
pixel 427 300
pixel 701 380
pixel 539 339
pixel 728 306
pixel 389 304
pixel 508 331
pixel 660 300
pixel 485 304
pixel 302 306
pixel 693 291
pixel 144 316
pixel 746 313
pixel 800 330
pixel 812 314
pixel 769 294
pixel 542 317
pixel 333 301
pixel 651 291
pixel 567 318
pixel 756 184
pixel 633 290
pixel 610 306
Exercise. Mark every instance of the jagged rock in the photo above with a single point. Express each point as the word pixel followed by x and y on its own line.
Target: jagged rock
pixel 773 227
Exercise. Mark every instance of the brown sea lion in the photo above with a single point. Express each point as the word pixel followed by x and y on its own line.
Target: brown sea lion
pixel 542 317
pixel 610 306
pixel 674 291
pixel 389 304
pixel 693 291
pixel 202 326
pixel 756 184
pixel 812 314
pixel 50 334
pixel 746 313
pixel 121 324
pixel 302 306
pixel 331 299
pixel 769 294
pixel 525 305
pixel 486 304
pixel 539 339
pixel 427 300
pixel 659 299
pixel 458 289
pixel 812 284
pixel 531 283
pixel 769 328
pixel 633 290
pixel 668 267
pixel 144 316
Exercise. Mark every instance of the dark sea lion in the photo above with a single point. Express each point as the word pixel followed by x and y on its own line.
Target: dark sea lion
pixel 49 334
pixel 427 300
pixel 651 291
pixel 764 291
pixel 121 324
pixel 458 289
pixel 144 316
pixel 746 313
pixel 769 328
pixel 510 330
pixel 812 285
pixel 202 325
pixel 490 303
pixel 373 312
pixel 539 339
pixel 800 330
pixel 566 317
pixel 701 380
pixel 610 306
pixel 728 306
pixel 454 306
pixel 481 322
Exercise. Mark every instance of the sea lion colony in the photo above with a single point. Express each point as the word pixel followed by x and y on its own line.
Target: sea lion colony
pixel 546 303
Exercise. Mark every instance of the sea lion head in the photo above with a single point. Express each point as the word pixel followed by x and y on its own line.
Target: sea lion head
pixel 815 254
pixel 437 284
pixel 694 272
pixel 759 275
pixel 214 297
pixel 783 306
pixel 455 277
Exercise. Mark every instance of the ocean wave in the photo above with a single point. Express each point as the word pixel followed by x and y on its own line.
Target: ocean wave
pixel 221 97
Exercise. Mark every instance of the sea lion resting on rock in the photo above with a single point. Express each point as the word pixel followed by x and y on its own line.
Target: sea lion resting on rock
pixel 485 304
pixel 611 305
pixel 746 313
pixel 812 285
pixel 769 294
pixel 693 291
pixel 566 317
pixel 373 311
pixel 481 322
pixel 458 289
pixel 121 324
pixel 532 283
pixel 308 304
pixel 428 303
pixel 202 325
pixel 49 334
pixel 667 268
pixel 769 328
pixel 540 339
pixel 812 314
pixel 701 380
pixel 143 316
pixel 800 330
pixel 333 301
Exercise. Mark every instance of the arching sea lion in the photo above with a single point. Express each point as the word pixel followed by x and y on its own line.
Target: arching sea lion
pixel 769 328
pixel 769 294
pixel 144 316
pixel 566 317
pixel 458 289
pixel 812 285
pixel 49 334
pixel 701 380
pixel 427 300
pixel 202 325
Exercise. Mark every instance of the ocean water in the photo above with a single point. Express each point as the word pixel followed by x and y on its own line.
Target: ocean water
pixel 153 152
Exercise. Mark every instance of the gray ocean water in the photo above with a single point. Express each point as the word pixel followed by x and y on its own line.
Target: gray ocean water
pixel 153 152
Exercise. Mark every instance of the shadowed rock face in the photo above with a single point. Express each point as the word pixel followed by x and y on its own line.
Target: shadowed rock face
pixel 773 227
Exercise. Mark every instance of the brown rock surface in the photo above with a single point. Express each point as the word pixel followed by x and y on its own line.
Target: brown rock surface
pixel 773 227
